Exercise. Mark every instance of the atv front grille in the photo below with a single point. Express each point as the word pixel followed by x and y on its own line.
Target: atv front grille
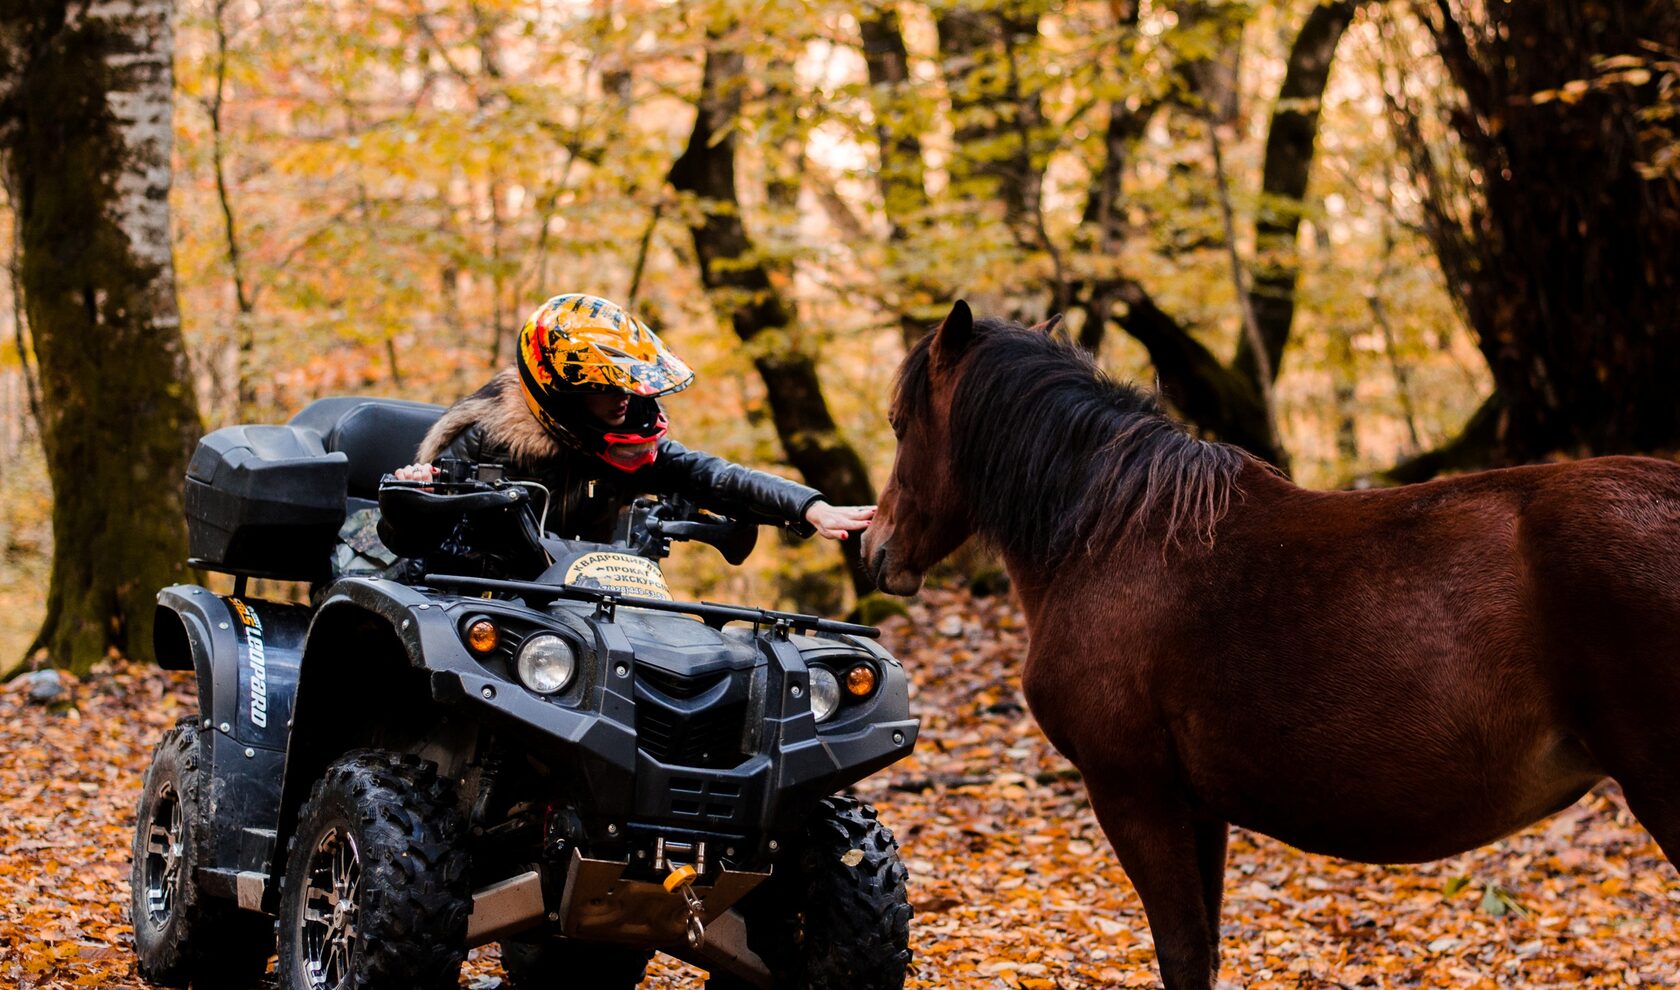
pixel 677 686
pixel 694 797
pixel 708 738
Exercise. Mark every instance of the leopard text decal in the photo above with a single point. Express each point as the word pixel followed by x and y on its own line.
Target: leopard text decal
pixel 259 663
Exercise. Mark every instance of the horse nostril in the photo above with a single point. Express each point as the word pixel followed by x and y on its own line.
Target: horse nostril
pixel 878 566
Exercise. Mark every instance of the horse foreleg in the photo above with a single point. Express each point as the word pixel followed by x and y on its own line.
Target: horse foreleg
pixel 1211 840
pixel 1657 806
pixel 1632 736
pixel 1167 855
pixel 1651 788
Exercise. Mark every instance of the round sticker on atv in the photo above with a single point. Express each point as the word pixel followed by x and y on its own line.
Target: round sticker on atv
pixel 624 573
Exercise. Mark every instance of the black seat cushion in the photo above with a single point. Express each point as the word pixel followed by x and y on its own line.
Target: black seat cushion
pixel 376 435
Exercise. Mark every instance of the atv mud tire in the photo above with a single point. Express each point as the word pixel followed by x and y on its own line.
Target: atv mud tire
pixel 835 913
pixel 559 964
pixel 182 936
pixel 375 895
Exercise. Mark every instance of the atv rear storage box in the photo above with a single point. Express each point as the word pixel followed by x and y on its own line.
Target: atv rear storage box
pixel 266 501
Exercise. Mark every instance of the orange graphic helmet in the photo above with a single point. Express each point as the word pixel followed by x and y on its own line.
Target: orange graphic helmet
pixel 576 344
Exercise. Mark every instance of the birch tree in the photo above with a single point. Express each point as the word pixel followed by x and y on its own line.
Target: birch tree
pixel 85 132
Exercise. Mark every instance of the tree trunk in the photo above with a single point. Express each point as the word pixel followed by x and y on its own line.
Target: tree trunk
pixel 994 120
pixel 1104 220
pixel 1226 400
pixel 1202 389
pixel 899 124
pixel 1291 138
pixel 898 130
pixel 738 281
pixel 997 119
pixel 1566 260
pixel 85 121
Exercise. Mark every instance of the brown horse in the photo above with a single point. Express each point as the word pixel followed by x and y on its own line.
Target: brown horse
pixel 1387 676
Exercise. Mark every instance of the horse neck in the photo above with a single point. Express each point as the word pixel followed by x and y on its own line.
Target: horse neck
pixel 1031 582
pixel 1038 582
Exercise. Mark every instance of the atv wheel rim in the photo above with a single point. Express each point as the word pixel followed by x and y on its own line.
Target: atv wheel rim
pixel 330 896
pixel 164 836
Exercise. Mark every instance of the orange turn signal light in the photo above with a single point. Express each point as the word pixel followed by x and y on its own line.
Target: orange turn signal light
pixel 482 635
pixel 860 680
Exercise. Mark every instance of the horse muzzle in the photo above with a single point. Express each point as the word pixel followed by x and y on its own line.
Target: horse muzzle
pixel 894 581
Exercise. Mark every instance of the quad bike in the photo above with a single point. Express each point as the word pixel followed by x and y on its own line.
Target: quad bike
pixel 492 734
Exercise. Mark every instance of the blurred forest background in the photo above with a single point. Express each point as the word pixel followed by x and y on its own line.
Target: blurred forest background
pixel 1370 241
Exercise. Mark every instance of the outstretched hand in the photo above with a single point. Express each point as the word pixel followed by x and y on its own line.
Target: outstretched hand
pixel 835 521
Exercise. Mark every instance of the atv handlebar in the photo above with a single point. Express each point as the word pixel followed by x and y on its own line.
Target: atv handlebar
pixel 734 538
pixel 420 515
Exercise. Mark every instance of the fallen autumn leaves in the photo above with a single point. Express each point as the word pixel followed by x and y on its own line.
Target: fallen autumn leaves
pixel 1013 883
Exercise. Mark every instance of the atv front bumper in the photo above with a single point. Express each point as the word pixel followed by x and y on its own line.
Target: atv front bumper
pixel 589 737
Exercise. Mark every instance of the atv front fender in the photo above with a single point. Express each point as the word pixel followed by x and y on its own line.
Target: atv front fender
pixel 246 655
pixel 384 657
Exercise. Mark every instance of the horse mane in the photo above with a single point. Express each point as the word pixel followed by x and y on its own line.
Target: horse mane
pixel 1052 456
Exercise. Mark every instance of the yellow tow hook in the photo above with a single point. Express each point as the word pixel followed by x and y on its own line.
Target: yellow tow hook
pixel 682 880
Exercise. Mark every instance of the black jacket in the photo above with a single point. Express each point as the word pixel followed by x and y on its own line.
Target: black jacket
pixel 493 426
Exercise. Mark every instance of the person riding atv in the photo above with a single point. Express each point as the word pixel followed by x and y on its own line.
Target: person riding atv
pixel 492 722
pixel 583 394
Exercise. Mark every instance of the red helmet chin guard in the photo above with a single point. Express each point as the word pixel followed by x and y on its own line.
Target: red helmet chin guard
pixel 635 450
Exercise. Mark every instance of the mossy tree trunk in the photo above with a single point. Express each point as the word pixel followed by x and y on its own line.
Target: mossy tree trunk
pixel 85 131
pixel 1291 141
pixel 738 280
pixel 902 116
pixel 1223 398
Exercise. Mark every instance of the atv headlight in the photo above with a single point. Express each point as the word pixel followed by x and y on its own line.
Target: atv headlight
pixel 825 693
pixel 546 663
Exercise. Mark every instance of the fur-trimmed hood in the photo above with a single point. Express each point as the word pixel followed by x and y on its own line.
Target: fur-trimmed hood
pixel 499 411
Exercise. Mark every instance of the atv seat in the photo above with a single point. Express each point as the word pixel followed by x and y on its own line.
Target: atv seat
pixel 377 435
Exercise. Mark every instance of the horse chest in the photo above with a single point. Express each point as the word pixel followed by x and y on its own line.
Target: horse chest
pixel 1091 703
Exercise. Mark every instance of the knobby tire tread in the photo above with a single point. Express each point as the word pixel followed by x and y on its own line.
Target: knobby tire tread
pixel 822 925
pixel 208 943
pixel 415 896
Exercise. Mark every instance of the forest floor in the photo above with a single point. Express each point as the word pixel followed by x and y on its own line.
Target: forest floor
pixel 1012 882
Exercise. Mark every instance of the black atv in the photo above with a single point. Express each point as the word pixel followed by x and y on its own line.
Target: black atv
pixel 478 732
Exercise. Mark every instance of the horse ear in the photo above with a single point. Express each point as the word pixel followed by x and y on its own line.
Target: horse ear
pixel 1049 326
pixel 956 330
